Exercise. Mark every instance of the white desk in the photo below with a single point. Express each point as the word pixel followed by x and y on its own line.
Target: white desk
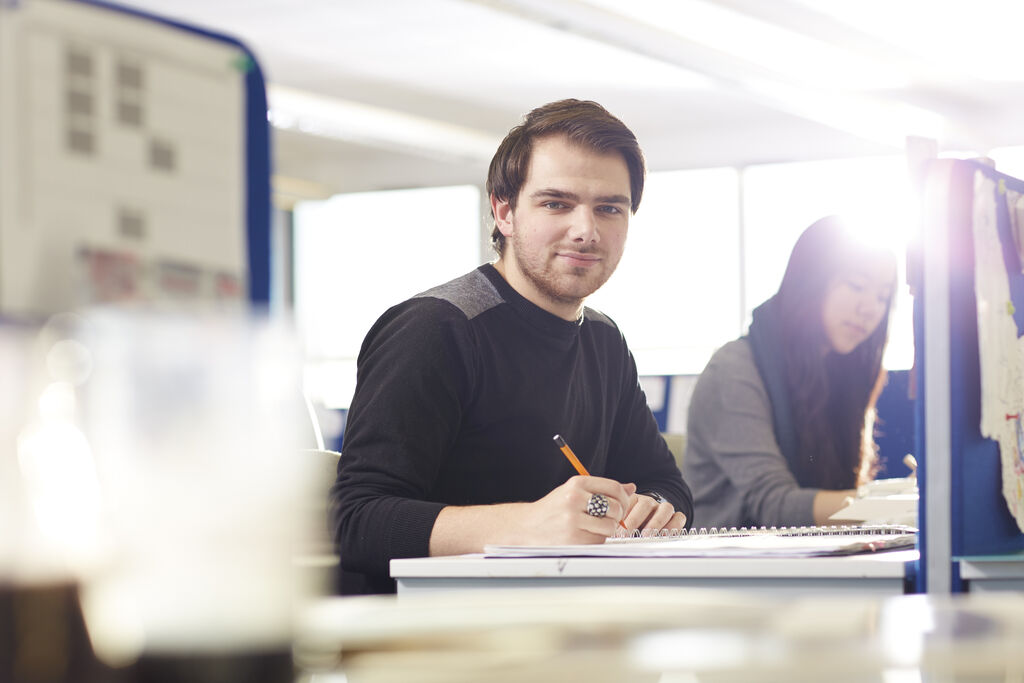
pixel 870 574
pixel 993 572
pixel 660 634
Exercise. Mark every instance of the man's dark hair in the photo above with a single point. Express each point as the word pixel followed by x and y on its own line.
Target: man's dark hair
pixel 583 123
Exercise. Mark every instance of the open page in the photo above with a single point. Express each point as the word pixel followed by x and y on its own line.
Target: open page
pixel 801 542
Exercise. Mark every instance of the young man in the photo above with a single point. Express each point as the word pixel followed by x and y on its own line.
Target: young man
pixel 460 390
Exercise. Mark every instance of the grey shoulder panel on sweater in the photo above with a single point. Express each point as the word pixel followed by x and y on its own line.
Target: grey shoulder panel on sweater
pixel 597 316
pixel 471 293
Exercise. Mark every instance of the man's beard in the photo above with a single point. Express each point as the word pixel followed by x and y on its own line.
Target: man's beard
pixel 558 287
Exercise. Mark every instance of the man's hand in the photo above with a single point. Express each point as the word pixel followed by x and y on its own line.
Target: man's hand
pixel 559 518
pixel 650 515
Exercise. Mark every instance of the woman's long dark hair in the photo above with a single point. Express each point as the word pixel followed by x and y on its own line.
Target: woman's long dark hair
pixel 832 395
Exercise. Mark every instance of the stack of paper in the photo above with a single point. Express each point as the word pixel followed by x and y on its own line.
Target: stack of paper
pixel 808 542
pixel 885 501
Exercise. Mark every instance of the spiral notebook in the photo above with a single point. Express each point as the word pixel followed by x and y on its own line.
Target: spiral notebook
pixel 813 541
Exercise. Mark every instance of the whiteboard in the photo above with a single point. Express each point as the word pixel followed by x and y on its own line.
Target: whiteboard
pixel 122 160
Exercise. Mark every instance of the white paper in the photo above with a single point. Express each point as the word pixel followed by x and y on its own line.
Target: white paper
pixel 1001 353
pixel 883 501
pixel 796 542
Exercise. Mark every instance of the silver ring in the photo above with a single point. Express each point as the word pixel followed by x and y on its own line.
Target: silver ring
pixel 597 506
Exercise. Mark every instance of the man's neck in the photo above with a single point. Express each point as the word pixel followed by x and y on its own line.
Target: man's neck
pixel 520 283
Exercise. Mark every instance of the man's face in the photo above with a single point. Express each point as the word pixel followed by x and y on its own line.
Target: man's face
pixel 568 231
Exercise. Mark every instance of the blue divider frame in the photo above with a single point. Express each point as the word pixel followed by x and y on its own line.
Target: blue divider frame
pixel 980 523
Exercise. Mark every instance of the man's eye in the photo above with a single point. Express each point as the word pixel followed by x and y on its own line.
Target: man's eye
pixel 609 209
pixel 554 205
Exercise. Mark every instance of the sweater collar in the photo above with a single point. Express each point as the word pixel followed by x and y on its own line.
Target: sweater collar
pixel 539 319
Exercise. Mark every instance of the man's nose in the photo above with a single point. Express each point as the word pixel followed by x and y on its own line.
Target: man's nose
pixel 584 225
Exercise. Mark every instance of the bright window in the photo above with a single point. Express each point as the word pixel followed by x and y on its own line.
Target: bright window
pixel 675 294
pixel 687 283
pixel 1009 160
pixel 781 200
pixel 358 254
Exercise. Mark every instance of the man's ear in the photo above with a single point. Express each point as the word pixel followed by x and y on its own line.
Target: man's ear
pixel 502 211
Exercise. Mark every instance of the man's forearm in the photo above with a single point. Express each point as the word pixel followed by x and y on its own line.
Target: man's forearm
pixel 459 530
pixel 558 518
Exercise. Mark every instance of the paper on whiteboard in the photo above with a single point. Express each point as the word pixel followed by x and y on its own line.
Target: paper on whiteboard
pixel 1001 353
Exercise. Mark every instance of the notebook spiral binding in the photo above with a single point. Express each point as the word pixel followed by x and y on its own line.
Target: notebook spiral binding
pixel 844 530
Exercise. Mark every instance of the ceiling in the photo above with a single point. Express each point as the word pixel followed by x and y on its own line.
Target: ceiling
pixel 377 94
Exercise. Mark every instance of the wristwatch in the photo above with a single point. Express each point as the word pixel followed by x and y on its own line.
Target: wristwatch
pixel 655 495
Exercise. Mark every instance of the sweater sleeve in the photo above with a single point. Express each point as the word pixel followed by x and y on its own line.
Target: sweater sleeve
pixel 411 383
pixel 639 453
pixel 731 439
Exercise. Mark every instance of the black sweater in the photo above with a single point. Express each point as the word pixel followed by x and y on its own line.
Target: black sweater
pixel 459 392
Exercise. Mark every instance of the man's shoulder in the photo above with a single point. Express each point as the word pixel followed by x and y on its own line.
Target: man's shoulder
pixel 593 315
pixel 472 294
pixel 604 332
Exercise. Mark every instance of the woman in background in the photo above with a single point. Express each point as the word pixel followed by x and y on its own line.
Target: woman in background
pixel 780 422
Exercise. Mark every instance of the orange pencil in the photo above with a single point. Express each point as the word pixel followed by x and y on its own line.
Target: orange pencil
pixel 564 447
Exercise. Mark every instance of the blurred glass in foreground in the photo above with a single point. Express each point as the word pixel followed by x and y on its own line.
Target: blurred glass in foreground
pixel 152 469
pixel 45 469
